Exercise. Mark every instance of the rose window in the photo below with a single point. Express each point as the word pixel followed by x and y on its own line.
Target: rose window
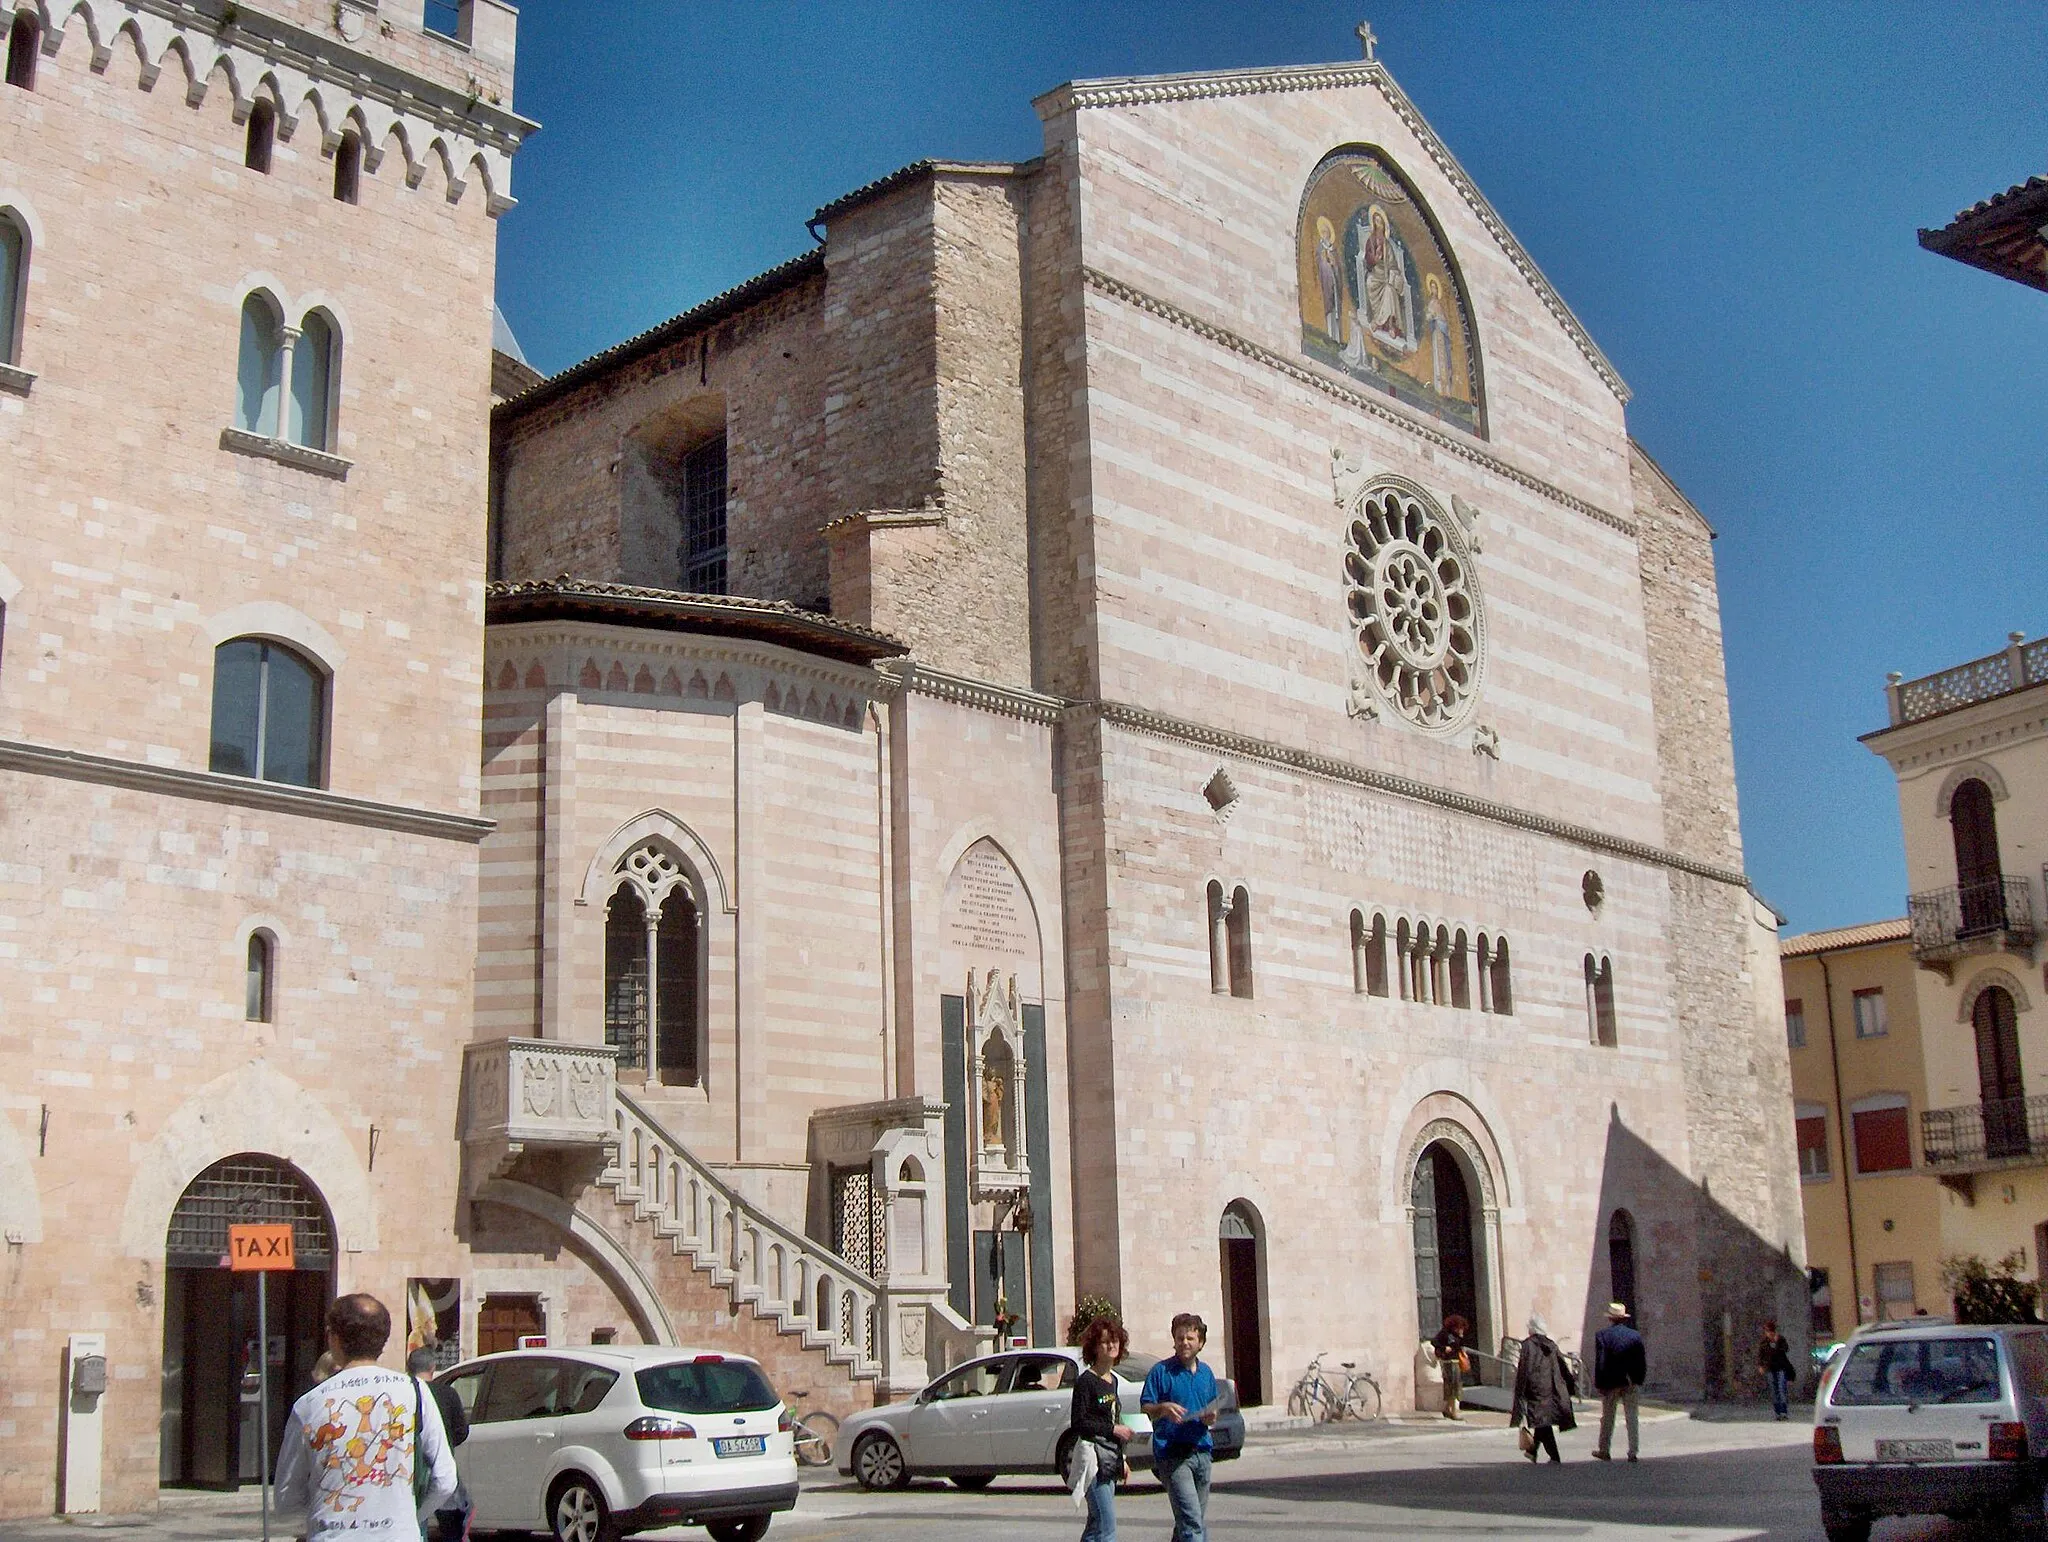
pixel 1414 606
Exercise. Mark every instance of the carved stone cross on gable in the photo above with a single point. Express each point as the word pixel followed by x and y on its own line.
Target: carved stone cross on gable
pixel 1367 41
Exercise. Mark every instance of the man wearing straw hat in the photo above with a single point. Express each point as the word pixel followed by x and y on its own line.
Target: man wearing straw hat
pixel 1619 1369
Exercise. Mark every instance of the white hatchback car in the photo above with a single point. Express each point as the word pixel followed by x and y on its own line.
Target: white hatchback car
pixel 1001 1413
pixel 1934 1418
pixel 595 1443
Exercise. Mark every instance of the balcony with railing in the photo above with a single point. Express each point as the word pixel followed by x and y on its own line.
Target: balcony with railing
pixel 1984 1137
pixel 1994 915
pixel 2019 665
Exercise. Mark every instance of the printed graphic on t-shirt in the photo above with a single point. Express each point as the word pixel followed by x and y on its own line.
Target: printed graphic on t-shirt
pixel 362 1445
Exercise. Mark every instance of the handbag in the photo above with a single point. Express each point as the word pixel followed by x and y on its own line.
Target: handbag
pixel 1527 1440
pixel 1464 1363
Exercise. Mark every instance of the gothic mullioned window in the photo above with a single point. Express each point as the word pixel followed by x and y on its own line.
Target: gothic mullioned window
pixel 259 366
pixel 652 1014
pixel 286 377
pixel 269 713
pixel 1414 609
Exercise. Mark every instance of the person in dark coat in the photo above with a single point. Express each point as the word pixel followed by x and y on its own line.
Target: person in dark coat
pixel 1449 1345
pixel 452 1522
pixel 1774 1359
pixel 1620 1366
pixel 1544 1390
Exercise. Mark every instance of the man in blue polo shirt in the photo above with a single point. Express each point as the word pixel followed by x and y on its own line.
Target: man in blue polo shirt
pixel 1180 1400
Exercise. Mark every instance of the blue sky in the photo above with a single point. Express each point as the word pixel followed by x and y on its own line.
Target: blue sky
pixel 1727 196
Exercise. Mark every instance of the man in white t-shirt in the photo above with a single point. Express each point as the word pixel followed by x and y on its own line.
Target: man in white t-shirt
pixel 347 1460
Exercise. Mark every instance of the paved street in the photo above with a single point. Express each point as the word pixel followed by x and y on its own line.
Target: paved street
pixel 1702 1480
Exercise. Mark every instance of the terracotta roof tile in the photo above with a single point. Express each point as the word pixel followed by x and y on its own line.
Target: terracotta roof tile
pixel 1864 934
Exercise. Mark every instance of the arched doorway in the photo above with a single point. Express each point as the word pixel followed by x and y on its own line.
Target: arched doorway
pixel 1244 1333
pixel 1446 1244
pixel 208 1432
pixel 1621 1260
pixel 2001 1088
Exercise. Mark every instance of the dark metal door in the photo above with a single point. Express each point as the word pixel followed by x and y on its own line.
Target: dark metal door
pixel 2000 1085
pixel 1980 894
pixel 1429 1291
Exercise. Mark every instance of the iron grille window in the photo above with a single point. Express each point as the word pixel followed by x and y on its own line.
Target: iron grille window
pixel 244 1191
pixel 704 518
pixel 857 1234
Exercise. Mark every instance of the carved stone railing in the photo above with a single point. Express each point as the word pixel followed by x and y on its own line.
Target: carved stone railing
pixel 525 1098
pixel 795 1283
pixel 1970 918
pixel 2018 666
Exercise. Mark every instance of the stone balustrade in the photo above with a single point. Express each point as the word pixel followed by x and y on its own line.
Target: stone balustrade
pixel 533 1097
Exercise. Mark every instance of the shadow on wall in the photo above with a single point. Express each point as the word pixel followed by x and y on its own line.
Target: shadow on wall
pixel 1700 1280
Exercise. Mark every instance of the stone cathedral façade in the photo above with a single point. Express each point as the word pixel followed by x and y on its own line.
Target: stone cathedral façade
pixel 1132 723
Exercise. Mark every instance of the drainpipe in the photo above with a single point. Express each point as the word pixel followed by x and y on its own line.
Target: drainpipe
pixel 1827 992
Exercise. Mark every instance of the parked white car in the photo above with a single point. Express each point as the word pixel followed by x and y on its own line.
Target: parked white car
pixel 1001 1413
pixel 595 1444
pixel 1934 1418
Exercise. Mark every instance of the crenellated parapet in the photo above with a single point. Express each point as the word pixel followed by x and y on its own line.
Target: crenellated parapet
pixel 314 81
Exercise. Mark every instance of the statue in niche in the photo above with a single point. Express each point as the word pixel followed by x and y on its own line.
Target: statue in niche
pixel 991 1111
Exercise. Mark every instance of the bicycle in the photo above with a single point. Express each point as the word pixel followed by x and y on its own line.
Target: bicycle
pixel 1322 1398
pixel 1312 1396
pixel 812 1434
pixel 1361 1393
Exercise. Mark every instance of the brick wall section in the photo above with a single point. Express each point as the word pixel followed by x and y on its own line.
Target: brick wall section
pixel 1751 1235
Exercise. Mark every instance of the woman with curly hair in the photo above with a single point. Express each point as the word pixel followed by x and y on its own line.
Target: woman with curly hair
pixel 1098 1429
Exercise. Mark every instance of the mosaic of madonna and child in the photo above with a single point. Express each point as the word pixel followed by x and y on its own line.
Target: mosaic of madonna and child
pixel 1378 298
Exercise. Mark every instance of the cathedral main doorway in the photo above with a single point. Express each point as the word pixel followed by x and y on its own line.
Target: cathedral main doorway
pixel 1446 1244
pixel 211 1386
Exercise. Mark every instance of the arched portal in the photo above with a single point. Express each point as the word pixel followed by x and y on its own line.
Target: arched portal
pixel 210 1415
pixel 1448 1246
pixel 1242 1243
pixel 1621 1259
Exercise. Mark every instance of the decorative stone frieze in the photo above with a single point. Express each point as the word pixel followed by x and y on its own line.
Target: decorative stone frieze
pixel 529 1096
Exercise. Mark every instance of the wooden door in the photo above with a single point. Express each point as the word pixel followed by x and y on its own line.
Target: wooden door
pixel 502 1321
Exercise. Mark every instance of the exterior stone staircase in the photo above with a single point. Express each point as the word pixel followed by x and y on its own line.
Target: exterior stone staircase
pixel 795 1284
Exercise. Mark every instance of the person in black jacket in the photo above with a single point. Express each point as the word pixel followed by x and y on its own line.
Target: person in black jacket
pixel 1449 1346
pixel 1543 1391
pixel 452 1523
pixel 1620 1367
pixel 1095 1422
pixel 1774 1359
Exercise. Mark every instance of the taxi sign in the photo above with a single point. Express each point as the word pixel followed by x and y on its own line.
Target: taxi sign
pixel 260 1247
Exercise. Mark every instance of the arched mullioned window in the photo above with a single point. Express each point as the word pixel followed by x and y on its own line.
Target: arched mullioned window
pixel 1368 954
pixel 262 136
pixel 1502 979
pixel 1461 972
pixel 14 253
pixel 269 713
pixel 1239 925
pixel 652 967
pixel 258 977
pixel 1358 952
pixel 259 366
pixel 1218 919
pixel 1600 1001
pixel 24 38
pixel 348 168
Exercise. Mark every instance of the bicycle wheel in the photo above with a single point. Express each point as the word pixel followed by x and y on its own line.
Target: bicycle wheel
pixel 814 1435
pixel 1364 1397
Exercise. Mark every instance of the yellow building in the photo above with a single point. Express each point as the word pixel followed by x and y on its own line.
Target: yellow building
pixel 1969 746
pixel 1859 1087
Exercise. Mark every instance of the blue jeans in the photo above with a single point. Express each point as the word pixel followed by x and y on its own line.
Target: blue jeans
pixel 1185 1475
pixel 1101 1525
pixel 1780 1392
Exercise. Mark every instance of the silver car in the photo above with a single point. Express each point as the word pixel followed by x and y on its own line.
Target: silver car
pixel 1001 1413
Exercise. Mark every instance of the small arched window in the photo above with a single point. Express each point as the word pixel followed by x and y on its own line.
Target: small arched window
pixel 1358 952
pixel 259 366
pixel 262 136
pixel 269 713
pixel 257 977
pixel 1461 972
pixel 1503 980
pixel 651 1007
pixel 348 168
pixel 1376 958
pixel 1240 927
pixel 24 37
pixel 1600 1001
pixel 13 285
pixel 1218 916
pixel 313 372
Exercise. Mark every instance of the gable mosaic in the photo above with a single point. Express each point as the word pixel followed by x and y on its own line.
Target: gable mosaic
pixel 1380 300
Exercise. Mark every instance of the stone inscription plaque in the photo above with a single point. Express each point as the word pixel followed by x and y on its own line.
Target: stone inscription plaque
pixel 987 913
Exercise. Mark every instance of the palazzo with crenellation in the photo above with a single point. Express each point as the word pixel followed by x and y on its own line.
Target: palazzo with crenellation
pixel 1132 723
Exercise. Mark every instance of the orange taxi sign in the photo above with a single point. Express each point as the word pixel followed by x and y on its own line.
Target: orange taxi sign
pixel 260 1247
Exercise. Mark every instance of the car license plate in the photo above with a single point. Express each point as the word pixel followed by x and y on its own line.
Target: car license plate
pixel 740 1445
pixel 1916 1450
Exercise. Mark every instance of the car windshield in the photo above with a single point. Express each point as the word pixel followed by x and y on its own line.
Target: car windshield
pixel 1952 1370
pixel 706 1387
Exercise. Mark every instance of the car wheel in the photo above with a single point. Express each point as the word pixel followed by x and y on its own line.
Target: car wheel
pixel 1062 1458
pixel 1845 1528
pixel 578 1513
pixel 747 1528
pixel 973 1482
pixel 878 1463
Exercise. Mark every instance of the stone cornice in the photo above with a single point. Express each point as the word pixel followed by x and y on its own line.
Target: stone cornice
pixel 1383 408
pixel 506 640
pixel 1009 700
pixel 1137 90
pixel 1181 731
pixel 213 787
pixel 1977 729
pixel 251 45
